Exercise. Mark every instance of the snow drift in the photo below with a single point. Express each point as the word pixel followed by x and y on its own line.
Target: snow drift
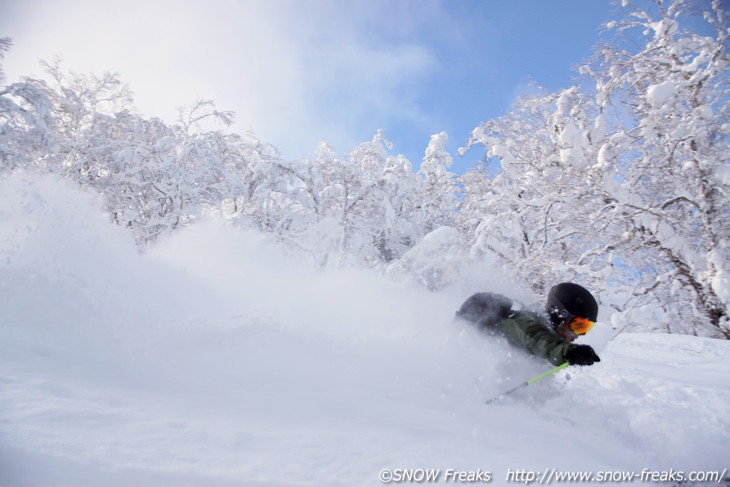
pixel 215 359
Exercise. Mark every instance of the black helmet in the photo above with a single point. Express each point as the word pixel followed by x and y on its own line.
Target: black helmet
pixel 568 298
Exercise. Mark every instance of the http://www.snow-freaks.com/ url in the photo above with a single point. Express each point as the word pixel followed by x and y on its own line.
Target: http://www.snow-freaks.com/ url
pixel 545 477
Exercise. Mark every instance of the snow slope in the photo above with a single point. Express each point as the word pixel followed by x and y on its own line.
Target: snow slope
pixel 215 360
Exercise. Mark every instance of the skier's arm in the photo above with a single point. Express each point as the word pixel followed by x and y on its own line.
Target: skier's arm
pixel 530 334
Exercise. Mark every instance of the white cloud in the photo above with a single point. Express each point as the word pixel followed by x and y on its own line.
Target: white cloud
pixel 294 72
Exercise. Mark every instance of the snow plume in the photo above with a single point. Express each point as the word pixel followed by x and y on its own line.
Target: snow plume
pixel 215 359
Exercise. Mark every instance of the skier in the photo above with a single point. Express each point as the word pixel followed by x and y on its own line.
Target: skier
pixel 571 311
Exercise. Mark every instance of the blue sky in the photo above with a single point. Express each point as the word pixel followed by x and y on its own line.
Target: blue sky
pixel 298 72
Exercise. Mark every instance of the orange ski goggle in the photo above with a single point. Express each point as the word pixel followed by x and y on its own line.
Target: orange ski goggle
pixel 580 326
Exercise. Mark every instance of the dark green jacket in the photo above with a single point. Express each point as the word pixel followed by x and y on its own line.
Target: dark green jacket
pixel 531 332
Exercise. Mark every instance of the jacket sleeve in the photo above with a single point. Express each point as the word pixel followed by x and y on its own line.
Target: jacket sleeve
pixel 528 332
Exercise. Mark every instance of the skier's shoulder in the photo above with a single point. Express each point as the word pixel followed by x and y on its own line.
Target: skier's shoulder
pixel 527 319
pixel 527 315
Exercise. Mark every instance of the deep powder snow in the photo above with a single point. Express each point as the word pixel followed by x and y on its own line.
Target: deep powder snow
pixel 216 360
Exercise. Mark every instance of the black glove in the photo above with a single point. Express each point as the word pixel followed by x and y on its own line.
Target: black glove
pixel 581 355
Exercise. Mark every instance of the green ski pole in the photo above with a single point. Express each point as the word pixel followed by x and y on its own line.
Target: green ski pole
pixel 527 383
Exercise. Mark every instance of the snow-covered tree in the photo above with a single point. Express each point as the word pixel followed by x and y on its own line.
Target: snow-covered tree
pixel 668 187
pixel 26 121
pixel 401 205
pixel 5 44
pixel 79 104
pixel 438 196
pixel 535 212
pixel 624 183
pixel 365 202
